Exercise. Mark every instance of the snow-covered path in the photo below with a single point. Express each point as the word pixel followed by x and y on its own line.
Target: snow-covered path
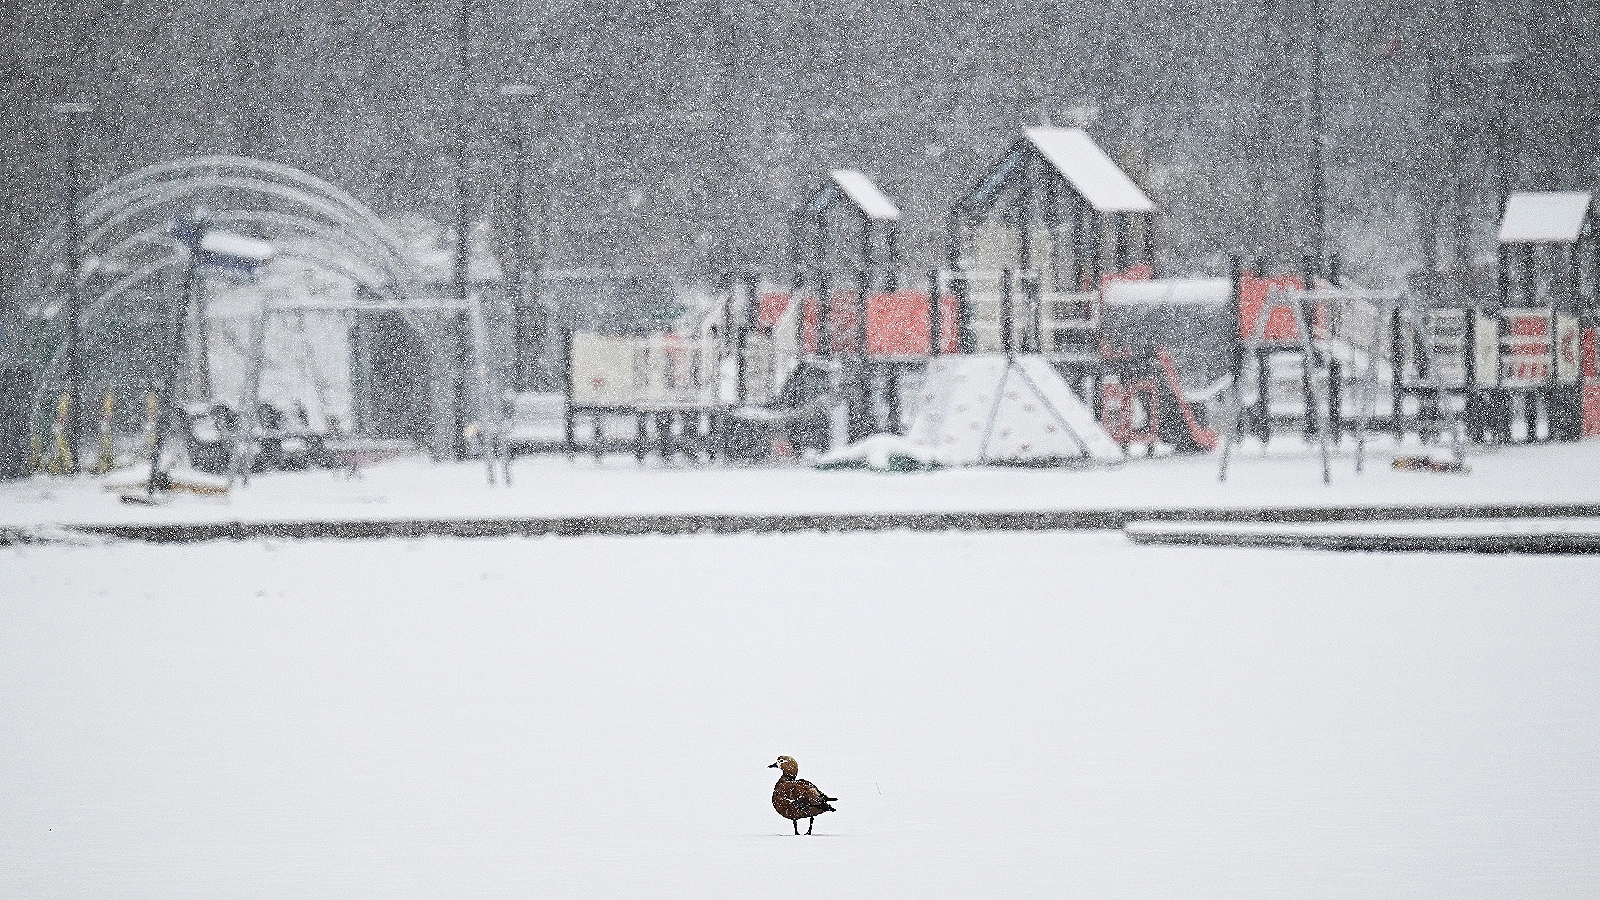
pixel 553 486
pixel 1016 715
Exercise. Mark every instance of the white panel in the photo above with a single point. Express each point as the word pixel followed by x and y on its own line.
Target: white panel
pixel 872 202
pixel 1541 218
pixel 979 408
pixel 1101 182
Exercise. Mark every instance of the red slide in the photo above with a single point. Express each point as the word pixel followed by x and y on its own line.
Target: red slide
pixel 1190 436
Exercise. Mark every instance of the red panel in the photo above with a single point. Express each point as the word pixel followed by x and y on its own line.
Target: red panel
pixel 1136 272
pixel 771 308
pixel 897 324
pixel 1588 354
pixel 1280 328
pixel 1116 411
pixel 1591 410
pixel 1528 326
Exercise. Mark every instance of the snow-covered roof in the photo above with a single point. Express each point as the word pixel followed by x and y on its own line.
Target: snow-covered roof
pixel 1170 291
pixel 872 202
pixel 1099 180
pixel 1544 217
pixel 227 243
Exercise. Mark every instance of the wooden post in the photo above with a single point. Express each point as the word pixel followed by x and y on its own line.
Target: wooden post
pixel 892 250
pixel 1080 252
pixel 1005 311
pixel 891 397
pixel 1119 223
pixel 1529 264
pixel 825 315
pixel 863 289
pixel 1502 261
pixel 1050 213
pixel 1150 243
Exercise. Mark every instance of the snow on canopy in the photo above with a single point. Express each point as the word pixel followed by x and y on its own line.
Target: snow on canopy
pixel 983 408
pixel 872 202
pixel 1170 290
pixel 1544 217
pixel 1099 180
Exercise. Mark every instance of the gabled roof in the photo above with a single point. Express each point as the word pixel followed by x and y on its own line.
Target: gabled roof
pixel 1544 217
pixel 872 202
pixel 1087 168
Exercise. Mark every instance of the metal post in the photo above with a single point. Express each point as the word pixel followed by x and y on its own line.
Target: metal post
pixel 178 314
pixel 935 316
pixel 1309 351
pixel 73 431
pixel 519 217
pixel 740 327
pixel 1397 390
pixel 1235 397
pixel 861 408
pixel 459 262
pixel 1335 367
pixel 568 424
pixel 1318 191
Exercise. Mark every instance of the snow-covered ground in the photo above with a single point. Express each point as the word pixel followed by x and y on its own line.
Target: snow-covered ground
pixel 413 488
pixel 1002 715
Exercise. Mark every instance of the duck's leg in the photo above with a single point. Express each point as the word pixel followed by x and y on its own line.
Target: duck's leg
pixel 811 822
pixel 796 824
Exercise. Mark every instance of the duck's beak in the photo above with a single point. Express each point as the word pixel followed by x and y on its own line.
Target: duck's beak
pixel 773 766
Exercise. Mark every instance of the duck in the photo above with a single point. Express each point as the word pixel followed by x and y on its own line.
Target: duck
pixel 795 798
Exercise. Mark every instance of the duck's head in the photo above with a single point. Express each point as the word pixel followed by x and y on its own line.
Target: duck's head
pixel 788 765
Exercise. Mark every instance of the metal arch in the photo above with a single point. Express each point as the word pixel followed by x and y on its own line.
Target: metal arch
pixel 348 264
pixel 154 196
pixel 90 206
pixel 122 199
pixel 303 188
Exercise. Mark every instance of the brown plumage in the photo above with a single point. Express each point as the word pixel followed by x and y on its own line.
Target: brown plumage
pixel 795 798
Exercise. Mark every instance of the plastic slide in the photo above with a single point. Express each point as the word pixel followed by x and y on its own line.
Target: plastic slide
pixel 1184 432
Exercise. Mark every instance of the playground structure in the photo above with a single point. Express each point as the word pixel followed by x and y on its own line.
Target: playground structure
pixel 333 259
pixel 1051 261
pixel 1053 256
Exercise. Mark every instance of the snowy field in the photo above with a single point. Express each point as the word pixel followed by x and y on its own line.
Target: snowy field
pixel 556 486
pixel 1002 715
